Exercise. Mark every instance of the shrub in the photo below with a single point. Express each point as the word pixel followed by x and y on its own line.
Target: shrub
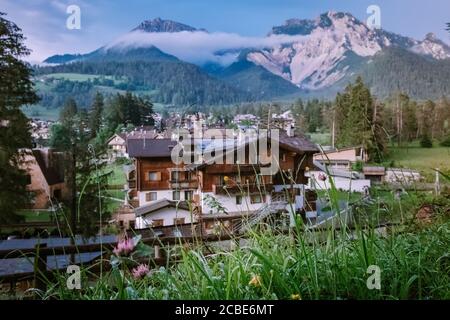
pixel 426 142
pixel 445 142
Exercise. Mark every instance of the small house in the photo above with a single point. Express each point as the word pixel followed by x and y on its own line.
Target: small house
pixel 342 158
pixel 46 180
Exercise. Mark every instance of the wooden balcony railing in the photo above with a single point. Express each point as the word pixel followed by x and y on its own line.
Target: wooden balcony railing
pixel 183 184
pixel 242 188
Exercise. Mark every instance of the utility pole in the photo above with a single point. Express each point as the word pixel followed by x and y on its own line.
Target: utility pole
pixel 333 129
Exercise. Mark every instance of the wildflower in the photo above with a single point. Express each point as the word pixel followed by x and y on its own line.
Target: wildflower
pixel 124 247
pixel 322 177
pixel 140 271
pixel 256 281
pixel 226 178
pixel 296 297
pixel 306 169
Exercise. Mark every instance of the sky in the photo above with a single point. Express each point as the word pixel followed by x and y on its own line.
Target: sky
pixel 103 21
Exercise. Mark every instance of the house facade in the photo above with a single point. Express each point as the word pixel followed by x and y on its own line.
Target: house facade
pixel 46 179
pixel 342 158
pixel 117 145
pixel 212 187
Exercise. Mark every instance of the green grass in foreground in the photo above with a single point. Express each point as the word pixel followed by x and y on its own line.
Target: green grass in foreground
pixel 413 259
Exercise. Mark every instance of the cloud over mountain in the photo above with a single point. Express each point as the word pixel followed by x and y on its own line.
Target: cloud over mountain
pixel 200 46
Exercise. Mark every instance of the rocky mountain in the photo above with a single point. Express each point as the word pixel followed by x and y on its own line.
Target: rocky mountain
pixel 433 47
pixel 332 48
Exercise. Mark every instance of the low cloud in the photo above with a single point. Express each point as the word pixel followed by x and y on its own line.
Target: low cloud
pixel 199 46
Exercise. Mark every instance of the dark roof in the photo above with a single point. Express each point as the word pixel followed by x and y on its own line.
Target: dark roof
pixel 298 143
pixel 51 166
pixel 164 203
pixel 156 148
pixel 150 148
pixel 25 265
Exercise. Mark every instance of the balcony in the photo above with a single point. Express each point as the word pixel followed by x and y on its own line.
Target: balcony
pixel 241 188
pixel 183 184
pixel 132 184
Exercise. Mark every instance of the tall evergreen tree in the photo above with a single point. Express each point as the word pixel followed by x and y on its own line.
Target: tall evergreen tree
pixel 359 120
pixel 16 90
pixel 96 114
pixel 128 109
pixel 84 169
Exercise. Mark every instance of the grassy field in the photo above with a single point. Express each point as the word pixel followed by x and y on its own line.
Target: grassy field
pixel 421 159
pixel 117 176
pixel 38 111
pixel 82 77
pixel 320 138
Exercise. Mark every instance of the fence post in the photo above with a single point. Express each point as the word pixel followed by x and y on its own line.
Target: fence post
pixel 40 267
pixel 157 252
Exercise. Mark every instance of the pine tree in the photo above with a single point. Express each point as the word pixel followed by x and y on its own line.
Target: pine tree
pixel 84 168
pixel 16 90
pixel 96 113
pixel 359 120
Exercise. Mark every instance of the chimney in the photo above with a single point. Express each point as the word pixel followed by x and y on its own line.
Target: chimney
pixel 290 131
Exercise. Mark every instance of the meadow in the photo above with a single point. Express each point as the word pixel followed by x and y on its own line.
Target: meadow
pixel 425 160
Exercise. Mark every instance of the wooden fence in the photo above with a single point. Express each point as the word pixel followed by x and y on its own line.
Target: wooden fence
pixel 39 255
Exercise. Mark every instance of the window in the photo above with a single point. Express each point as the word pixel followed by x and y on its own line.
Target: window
pixel 178 221
pixel 57 194
pixel 151 196
pixel 28 179
pixel 256 199
pixel 283 157
pixel 132 224
pixel 176 195
pixel 175 176
pixel 157 223
pixel 238 199
pixel 154 176
pixel 221 180
pixel 188 195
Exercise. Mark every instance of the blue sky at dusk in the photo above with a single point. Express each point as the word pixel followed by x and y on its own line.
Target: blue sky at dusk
pixel 44 21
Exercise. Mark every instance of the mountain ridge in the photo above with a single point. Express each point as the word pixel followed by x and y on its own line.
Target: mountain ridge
pixel 332 49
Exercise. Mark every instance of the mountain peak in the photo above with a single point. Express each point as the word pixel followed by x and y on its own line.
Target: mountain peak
pixel 433 46
pixel 431 37
pixel 160 25
pixel 326 20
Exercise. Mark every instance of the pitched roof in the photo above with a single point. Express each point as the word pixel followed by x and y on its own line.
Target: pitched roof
pixel 139 146
pixel 298 143
pixel 164 203
pixel 122 135
pixel 150 148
